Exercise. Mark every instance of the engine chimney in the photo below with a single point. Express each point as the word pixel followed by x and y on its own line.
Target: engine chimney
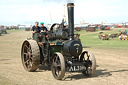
pixel 70 7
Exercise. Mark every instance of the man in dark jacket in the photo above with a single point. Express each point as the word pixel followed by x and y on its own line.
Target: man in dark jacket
pixel 35 29
pixel 43 28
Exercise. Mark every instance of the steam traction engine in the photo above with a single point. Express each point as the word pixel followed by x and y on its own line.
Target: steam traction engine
pixel 59 49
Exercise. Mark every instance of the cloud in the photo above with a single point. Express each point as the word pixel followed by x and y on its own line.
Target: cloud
pixel 26 11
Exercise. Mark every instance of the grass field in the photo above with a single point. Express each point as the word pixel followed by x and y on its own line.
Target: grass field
pixel 90 39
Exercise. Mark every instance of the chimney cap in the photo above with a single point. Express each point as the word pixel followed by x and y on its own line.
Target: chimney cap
pixel 70 5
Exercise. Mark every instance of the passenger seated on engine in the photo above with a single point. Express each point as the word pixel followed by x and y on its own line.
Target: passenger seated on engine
pixel 43 28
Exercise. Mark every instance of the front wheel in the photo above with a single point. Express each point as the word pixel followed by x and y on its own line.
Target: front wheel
pixel 89 62
pixel 58 66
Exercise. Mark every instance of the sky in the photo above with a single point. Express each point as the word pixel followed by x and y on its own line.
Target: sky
pixel 13 12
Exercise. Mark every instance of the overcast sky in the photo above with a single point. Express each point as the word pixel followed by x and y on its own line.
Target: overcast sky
pixel 13 12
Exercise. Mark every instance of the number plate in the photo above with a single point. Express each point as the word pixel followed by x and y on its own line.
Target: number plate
pixel 76 68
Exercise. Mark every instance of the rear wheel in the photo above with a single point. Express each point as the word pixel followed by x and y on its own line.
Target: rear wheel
pixel 89 62
pixel 30 55
pixel 58 66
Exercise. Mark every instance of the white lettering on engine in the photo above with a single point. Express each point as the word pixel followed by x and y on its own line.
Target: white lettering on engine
pixel 76 68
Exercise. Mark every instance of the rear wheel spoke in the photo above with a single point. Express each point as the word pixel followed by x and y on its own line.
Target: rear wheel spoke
pixel 26 61
pixel 26 46
pixel 25 53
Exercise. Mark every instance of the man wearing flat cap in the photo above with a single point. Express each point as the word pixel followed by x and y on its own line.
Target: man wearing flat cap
pixel 35 29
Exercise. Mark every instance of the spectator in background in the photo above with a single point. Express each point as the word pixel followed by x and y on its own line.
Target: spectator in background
pixel 126 32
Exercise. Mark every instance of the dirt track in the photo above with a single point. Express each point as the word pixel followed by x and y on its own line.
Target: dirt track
pixel 112 66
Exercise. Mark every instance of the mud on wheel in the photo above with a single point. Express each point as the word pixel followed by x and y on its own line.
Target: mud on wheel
pixel 58 66
pixel 89 62
pixel 30 55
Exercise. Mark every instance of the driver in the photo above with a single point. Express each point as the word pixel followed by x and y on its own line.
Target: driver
pixel 42 27
pixel 35 29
